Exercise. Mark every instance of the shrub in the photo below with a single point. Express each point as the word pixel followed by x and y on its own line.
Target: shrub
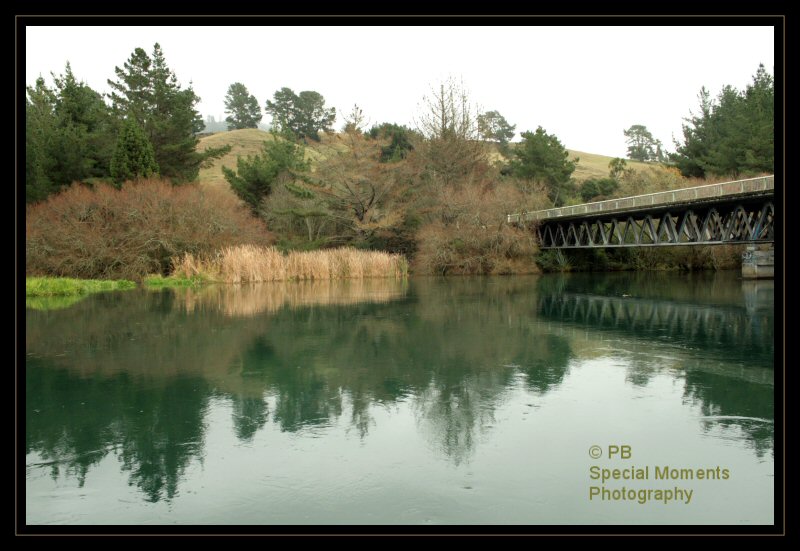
pixel 471 235
pixel 133 231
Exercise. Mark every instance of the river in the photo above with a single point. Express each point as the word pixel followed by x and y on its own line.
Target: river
pixel 423 402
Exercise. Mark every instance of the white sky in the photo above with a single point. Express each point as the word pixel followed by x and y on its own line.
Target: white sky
pixel 583 84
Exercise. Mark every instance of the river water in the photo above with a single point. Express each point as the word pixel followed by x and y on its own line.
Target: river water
pixel 424 402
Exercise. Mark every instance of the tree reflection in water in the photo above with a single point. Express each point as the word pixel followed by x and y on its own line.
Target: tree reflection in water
pixel 133 374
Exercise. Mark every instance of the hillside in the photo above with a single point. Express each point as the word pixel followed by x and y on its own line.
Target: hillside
pixel 248 142
pixel 591 165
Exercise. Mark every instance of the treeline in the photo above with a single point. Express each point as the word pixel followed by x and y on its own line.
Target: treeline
pixel 435 193
pixel 733 134
pixel 146 126
pixel 438 193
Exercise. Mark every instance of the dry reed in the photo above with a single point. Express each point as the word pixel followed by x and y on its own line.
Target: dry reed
pixel 250 263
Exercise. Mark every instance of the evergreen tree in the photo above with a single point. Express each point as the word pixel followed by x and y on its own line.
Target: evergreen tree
pixel 495 128
pixel 40 123
pixel 88 128
pixel 243 108
pixel 641 144
pixel 732 135
pixel 133 155
pixel 69 135
pixel 148 91
pixel 304 114
pixel 399 141
pixel 541 157
pixel 255 175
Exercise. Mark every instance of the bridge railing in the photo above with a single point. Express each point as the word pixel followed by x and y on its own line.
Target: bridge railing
pixel 685 195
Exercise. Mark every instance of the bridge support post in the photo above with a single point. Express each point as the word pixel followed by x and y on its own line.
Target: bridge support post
pixel 758 261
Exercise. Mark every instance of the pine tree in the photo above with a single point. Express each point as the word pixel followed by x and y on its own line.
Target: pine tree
pixel 243 108
pixel 69 135
pixel 148 91
pixel 732 135
pixel 133 156
pixel 493 126
pixel 40 124
pixel 541 157
pixel 255 175
pixel 303 114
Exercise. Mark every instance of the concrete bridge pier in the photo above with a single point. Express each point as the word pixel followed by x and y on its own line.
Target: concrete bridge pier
pixel 758 262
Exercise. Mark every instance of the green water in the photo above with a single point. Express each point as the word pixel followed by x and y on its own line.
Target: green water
pixel 432 401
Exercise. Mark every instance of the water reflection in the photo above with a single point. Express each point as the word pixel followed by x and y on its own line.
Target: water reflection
pixel 720 339
pixel 135 374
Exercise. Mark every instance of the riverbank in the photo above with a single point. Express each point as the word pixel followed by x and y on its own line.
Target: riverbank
pixel 67 286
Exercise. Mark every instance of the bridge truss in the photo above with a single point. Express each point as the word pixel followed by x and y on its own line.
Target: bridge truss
pixel 744 221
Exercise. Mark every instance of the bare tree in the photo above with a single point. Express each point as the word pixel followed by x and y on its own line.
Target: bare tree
pixel 449 121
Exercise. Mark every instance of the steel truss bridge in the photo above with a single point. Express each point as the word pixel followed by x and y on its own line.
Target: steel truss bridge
pixel 737 212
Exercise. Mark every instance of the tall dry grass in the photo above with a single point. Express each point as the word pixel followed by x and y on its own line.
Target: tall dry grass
pixel 250 263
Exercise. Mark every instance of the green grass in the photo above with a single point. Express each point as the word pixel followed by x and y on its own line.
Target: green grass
pixel 69 287
pixel 160 282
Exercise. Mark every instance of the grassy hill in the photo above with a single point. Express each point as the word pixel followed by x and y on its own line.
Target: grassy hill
pixel 248 142
pixel 591 165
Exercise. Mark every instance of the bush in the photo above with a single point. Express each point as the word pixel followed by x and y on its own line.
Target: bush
pixel 596 189
pixel 109 233
pixel 471 235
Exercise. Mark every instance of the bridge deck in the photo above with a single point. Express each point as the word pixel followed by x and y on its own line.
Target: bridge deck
pixel 736 190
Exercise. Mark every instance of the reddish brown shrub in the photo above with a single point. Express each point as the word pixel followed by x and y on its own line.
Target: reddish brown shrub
pixel 130 232
pixel 470 235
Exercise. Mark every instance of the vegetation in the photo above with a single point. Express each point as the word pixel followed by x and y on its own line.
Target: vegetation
pixel 437 194
pixel 255 175
pixel 247 263
pixel 303 114
pixel 72 135
pixel 598 189
pixel 133 156
pixel 494 127
pixel 733 135
pixel 541 157
pixel 399 138
pixel 69 135
pixel 160 282
pixel 642 146
pixel 243 108
pixel 452 149
pixel 147 91
pixel 617 167
pixel 134 231
pixel 64 286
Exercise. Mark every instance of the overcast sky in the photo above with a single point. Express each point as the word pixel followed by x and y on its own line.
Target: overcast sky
pixel 583 84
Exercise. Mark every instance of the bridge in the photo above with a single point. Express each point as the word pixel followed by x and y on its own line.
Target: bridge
pixel 738 212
